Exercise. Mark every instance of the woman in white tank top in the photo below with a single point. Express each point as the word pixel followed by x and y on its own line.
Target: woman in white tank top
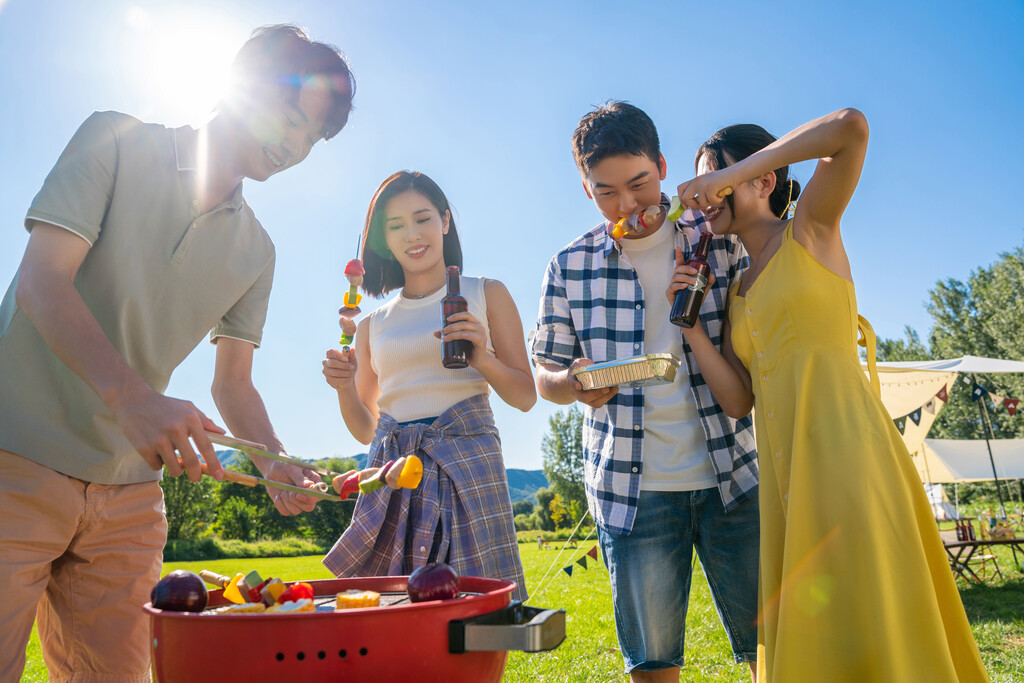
pixel 395 395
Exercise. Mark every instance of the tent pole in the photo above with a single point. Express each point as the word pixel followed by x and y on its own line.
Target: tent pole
pixel 989 433
pixel 927 469
pixel 983 409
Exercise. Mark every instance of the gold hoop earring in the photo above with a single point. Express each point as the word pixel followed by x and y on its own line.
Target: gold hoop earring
pixel 790 204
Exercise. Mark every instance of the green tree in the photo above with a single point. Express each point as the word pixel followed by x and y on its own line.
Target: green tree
pixel 542 515
pixel 982 317
pixel 575 511
pixel 522 507
pixel 328 520
pixel 190 506
pixel 562 448
pixel 536 521
pixel 522 522
pixel 267 521
pixel 236 520
pixel 900 350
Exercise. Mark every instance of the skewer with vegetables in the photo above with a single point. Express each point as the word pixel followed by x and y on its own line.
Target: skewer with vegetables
pixel 639 222
pixel 407 472
pixel 354 274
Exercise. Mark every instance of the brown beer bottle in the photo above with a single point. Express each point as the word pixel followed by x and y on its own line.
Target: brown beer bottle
pixel 686 305
pixel 455 354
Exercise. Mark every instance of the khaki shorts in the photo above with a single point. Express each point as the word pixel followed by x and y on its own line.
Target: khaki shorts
pixel 81 558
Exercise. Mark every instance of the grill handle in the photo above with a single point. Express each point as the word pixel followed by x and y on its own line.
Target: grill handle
pixel 516 627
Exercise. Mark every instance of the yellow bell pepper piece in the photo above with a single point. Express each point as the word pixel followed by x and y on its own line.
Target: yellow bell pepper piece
pixel 348 299
pixel 231 591
pixel 412 472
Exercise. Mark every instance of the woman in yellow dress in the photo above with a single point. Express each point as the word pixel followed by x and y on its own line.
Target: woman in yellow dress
pixel 854 582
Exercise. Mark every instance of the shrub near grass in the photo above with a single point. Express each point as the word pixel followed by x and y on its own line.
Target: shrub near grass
pixel 531 535
pixel 217 548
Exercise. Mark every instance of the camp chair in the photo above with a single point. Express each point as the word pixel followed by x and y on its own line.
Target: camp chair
pixel 985 525
pixel 986 557
pixel 1017 522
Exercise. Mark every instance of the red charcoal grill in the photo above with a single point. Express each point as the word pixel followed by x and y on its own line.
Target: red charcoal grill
pixel 465 639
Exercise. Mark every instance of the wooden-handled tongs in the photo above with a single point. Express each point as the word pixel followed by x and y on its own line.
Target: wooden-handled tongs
pixel 250 448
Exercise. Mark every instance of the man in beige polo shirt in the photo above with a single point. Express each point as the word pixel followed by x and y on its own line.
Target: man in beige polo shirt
pixel 140 244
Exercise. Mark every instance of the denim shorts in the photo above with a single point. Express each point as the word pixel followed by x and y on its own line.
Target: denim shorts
pixel 650 574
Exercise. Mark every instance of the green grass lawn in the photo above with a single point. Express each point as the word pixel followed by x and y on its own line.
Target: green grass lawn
pixel 590 651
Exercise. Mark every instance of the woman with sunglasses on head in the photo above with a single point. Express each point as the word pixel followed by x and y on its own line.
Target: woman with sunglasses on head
pixel 854 582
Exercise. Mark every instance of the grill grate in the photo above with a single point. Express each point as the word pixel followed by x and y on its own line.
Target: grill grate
pixel 325 603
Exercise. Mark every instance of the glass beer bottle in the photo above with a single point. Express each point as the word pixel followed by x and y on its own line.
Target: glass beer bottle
pixel 686 305
pixel 455 354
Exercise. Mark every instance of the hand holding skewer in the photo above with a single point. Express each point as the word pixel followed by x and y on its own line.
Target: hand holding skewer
pixel 706 190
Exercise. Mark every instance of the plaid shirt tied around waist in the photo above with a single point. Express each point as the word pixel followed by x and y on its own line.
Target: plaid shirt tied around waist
pixel 461 509
pixel 592 306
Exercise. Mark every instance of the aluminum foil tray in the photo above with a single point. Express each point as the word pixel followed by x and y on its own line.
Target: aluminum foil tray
pixel 639 371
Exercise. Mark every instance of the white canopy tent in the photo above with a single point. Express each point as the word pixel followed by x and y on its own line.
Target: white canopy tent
pixel 965 364
pixel 909 386
pixel 947 461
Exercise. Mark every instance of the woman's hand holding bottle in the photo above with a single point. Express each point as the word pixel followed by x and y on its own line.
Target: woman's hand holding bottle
pixel 466 327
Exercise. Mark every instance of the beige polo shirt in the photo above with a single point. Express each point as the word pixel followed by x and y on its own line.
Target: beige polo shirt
pixel 158 277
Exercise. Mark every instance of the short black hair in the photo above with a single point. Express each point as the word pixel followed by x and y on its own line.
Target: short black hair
pixel 739 142
pixel 382 272
pixel 283 58
pixel 612 129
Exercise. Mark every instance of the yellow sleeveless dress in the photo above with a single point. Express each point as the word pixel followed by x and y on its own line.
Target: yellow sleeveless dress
pixel 854 582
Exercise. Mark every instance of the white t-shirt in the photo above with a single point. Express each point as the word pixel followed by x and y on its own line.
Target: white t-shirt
pixel 406 355
pixel 675 449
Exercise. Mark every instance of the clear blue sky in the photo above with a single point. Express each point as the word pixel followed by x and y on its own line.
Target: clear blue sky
pixel 484 97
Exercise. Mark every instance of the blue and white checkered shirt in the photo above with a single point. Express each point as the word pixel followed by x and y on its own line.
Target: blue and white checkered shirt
pixel 592 306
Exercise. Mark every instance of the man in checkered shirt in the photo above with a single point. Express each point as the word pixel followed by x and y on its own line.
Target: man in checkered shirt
pixel 666 471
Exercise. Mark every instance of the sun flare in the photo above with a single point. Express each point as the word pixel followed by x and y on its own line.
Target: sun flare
pixel 180 59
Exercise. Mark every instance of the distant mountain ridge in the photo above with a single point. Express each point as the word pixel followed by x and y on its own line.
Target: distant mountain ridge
pixel 231 457
pixel 524 484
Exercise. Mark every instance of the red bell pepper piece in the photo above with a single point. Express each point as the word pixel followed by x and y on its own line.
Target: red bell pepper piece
pixel 350 486
pixel 297 591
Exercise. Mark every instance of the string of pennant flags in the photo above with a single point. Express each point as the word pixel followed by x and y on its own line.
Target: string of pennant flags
pixel 581 560
pixel 1009 403
pixel 977 392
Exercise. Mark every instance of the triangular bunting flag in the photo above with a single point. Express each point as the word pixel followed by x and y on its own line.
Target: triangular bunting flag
pixel 977 392
pixel 943 395
pixel 567 570
pixel 582 561
pixel 901 423
pixel 1011 405
pixel 930 406
pixel 996 400
pixel 593 552
pixel 916 416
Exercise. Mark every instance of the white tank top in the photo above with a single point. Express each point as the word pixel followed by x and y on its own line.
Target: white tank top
pixel 406 355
